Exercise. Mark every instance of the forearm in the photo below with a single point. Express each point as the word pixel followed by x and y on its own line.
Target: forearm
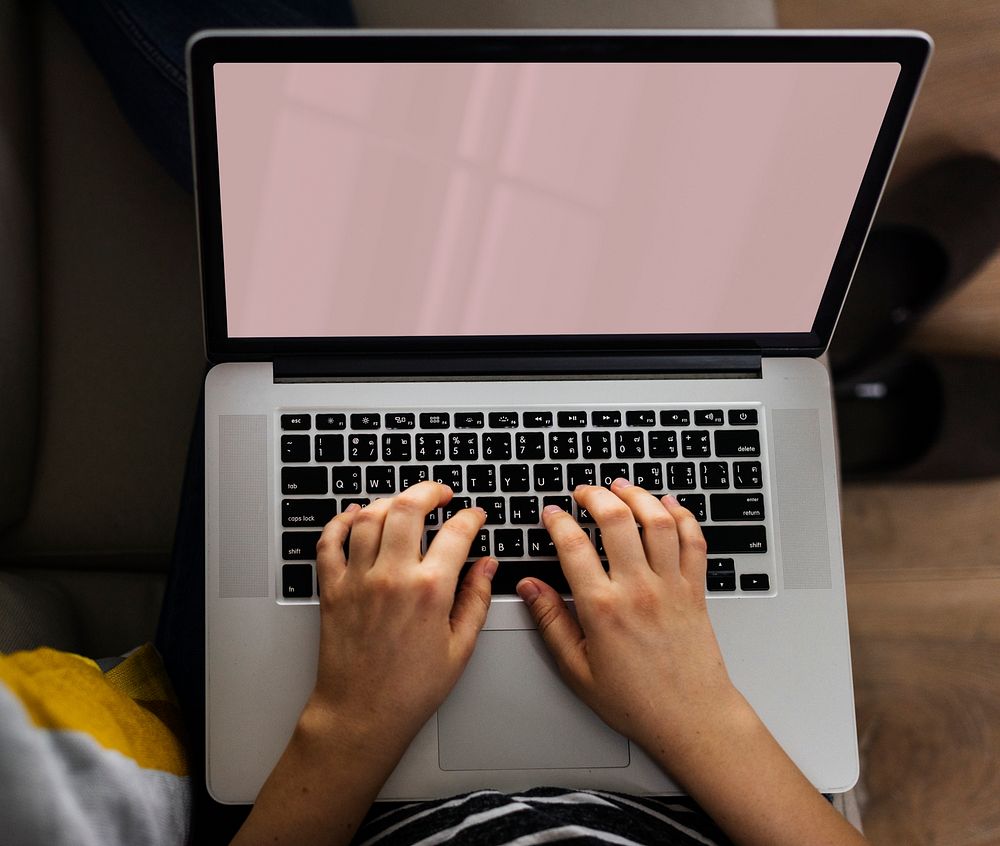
pixel 322 786
pixel 738 773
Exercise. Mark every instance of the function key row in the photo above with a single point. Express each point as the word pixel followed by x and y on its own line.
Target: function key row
pixel 510 419
pixel 525 446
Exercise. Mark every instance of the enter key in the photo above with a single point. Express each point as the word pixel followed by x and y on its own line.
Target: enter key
pixel 736 507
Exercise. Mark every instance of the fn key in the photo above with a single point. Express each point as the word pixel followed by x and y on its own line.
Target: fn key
pixel 297 581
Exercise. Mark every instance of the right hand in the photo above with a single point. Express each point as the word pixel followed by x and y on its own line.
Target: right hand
pixel 643 654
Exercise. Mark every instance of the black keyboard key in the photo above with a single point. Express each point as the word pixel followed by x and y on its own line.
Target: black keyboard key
pixel 721 566
pixel 709 417
pixel 640 418
pixel 530 446
pixel 714 475
pixel 610 472
pixel 400 421
pixel 503 419
pixel 680 476
pixel 583 515
pixel 395 447
pixel 412 474
pixel 746 474
pixel 537 419
pixel 648 476
pixel 463 446
pixel 598 541
pixel 606 418
pixel 562 446
pixel 300 481
pixel 331 421
pixel 596 445
pixel 675 417
pixel 346 479
pixel 432 518
pixel 496 446
pixel 449 474
pixel 735 538
pixel 430 447
pixel 730 508
pixel 540 543
pixel 580 474
pixel 362 448
pixel 663 445
pixel 695 503
pixel 307 513
pixel 299 546
pixel 548 477
pixel 695 443
pixel 514 478
pixel 737 443
pixel 572 419
pixel 511 572
pixel 723 583
pixel 381 480
pixel 481 478
pixel 329 448
pixel 743 417
pixel 495 508
pixel 296 581
pixel 294 447
pixel 435 420
pixel 458 503
pixel 630 445
pixel 508 543
pixel 366 420
pixel 346 502
pixel 564 502
pixel 292 422
pixel 755 581
pixel 480 544
pixel 524 510
pixel 469 420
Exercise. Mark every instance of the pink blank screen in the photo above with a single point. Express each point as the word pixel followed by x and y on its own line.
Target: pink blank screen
pixel 528 198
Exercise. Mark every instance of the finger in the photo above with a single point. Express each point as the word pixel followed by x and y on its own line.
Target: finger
pixel 331 563
pixel 693 547
pixel 618 530
pixel 404 523
pixel 468 614
pixel 366 534
pixel 451 545
pixel 659 529
pixel 561 633
pixel 577 556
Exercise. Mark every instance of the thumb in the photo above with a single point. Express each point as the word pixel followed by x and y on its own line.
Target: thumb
pixel 560 631
pixel 472 604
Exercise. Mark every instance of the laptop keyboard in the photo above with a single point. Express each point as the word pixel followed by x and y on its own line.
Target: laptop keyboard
pixel 513 463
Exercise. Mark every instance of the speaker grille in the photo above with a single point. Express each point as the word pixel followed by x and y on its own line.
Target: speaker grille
pixel 801 499
pixel 243 499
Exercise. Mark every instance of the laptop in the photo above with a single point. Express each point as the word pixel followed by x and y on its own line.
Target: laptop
pixel 515 262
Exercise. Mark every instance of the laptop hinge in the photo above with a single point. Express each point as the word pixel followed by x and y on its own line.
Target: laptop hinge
pixel 374 368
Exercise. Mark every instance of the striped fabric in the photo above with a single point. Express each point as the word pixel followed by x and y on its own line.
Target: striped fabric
pixel 538 816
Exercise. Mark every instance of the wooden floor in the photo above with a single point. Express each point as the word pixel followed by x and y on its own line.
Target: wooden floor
pixel 923 561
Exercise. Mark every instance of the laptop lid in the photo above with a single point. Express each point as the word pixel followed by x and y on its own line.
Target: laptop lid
pixel 442 195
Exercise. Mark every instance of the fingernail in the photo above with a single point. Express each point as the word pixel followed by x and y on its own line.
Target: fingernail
pixel 621 482
pixel 528 591
pixel 490 568
pixel 671 499
pixel 480 510
pixel 551 509
pixel 352 507
pixel 579 488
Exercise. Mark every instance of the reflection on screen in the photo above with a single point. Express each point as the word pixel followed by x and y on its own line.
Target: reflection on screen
pixel 525 198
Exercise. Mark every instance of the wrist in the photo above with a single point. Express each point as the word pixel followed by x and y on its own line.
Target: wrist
pixel 361 742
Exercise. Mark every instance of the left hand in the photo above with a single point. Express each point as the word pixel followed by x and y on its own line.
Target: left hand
pixel 394 637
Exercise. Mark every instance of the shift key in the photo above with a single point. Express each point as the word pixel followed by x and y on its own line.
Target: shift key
pixel 735 539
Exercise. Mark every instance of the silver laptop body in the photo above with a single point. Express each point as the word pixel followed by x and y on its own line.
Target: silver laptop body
pixel 351 314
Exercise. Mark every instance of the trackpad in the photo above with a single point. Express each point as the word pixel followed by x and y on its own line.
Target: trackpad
pixel 511 711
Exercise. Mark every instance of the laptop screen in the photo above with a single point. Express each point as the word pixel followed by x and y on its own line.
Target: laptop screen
pixel 524 198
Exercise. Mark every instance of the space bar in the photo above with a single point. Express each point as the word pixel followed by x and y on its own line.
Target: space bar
pixel 735 539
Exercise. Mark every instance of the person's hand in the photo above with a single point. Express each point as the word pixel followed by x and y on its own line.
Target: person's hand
pixel 643 655
pixel 394 638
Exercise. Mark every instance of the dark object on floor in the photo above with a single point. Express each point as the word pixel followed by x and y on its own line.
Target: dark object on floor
pixel 916 417
pixel 930 236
